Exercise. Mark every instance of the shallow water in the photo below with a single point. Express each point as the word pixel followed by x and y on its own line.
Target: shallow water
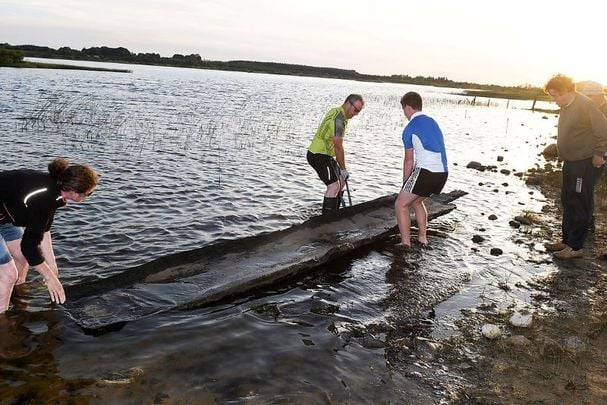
pixel 188 157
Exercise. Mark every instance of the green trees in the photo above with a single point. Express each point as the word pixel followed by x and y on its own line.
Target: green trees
pixel 10 57
pixel 107 53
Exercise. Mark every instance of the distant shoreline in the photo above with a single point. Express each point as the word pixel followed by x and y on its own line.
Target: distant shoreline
pixel 39 65
pixel 123 55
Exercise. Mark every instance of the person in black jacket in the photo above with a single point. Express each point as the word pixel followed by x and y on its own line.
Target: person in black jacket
pixel 28 201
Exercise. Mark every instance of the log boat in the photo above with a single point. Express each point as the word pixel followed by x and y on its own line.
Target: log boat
pixel 231 268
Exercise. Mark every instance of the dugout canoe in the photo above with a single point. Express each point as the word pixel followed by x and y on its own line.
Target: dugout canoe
pixel 231 268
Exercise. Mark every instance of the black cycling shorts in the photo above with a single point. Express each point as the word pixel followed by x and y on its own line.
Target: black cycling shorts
pixel 424 183
pixel 326 167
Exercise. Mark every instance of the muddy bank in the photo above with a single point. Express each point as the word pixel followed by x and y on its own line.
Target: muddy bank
pixel 559 358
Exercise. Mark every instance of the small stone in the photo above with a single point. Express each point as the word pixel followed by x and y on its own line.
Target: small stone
pixel 522 220
pixel 491 331
pixel 496 251
pixel 574 344
pixel 550 151
pixel 521 319
pixel 476 165
pixel 518 340
pixel 479 239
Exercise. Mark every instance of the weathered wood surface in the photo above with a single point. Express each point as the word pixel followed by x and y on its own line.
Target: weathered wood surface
pixel 228 269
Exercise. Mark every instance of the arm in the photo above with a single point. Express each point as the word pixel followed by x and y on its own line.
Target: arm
pixel 36 246
pixel 599 127
pixel 408 163
pixel 55 289
pixel 34 251
pixel 48 253
pixel 340 155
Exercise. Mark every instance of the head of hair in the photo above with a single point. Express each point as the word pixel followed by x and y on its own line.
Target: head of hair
pixel 413 100
pixel 560 83
pixel 73 177
pixel 352 98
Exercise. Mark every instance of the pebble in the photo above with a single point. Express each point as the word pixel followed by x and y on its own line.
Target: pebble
pixel 521 319
pixel 491 331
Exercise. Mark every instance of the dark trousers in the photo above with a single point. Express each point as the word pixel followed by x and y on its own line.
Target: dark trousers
pixel 577 197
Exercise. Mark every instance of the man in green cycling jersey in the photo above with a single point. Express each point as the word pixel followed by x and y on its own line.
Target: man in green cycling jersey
pixel 326 151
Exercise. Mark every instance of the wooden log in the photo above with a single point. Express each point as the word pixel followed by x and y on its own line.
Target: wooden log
pixel 232 268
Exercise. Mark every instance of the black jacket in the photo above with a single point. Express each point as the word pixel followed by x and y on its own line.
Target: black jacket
pixel 29 199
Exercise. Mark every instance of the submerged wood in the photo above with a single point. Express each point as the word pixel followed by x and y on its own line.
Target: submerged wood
pixel 231 268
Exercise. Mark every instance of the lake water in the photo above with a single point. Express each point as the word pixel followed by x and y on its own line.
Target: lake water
pixel 188 157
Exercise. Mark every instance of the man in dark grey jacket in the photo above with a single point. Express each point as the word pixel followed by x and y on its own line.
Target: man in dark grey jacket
pixel 581 144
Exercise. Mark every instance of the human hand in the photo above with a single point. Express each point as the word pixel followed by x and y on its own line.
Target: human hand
pixel 343 173
pixel 55 289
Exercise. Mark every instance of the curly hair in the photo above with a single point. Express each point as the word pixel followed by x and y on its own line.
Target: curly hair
pixel 73 177
pixel 560 83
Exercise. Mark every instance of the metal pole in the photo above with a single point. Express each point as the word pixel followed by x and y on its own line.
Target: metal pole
pixel 348 190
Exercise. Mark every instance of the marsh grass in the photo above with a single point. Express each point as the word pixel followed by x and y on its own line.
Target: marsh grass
pixel 210 131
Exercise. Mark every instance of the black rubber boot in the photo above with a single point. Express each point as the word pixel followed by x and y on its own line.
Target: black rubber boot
pixel 329 204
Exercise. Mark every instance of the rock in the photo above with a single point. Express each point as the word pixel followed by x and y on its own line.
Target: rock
pixel 514 224
pixel 496 251
pixel 492 217
pixel 500 158
pixel 491 331
pixel 477 239
pixel 523 220
pixel 548 346
pixel 575 345
pixel 426 349
pixel 477 166
pixel 550 151
pixel 371 342
pixel 121 377
pixel 518 340
pixel 521 319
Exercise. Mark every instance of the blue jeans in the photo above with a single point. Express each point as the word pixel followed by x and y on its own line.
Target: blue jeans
pixel 8 232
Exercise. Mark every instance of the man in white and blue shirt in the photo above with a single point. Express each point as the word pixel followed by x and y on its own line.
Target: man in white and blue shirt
pixel 424 168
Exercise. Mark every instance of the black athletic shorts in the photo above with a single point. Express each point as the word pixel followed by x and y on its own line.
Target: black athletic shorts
pixel 326 167
pixel 424 183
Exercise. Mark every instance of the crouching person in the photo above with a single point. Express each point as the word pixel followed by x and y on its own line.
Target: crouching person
pixel 28 201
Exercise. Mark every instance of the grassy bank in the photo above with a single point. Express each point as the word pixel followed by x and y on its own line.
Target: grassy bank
pixel 37 65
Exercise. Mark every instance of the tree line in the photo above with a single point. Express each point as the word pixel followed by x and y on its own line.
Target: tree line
pixel 9 53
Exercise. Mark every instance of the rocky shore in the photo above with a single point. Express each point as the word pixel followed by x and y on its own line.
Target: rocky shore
pixel 552 351
pixel 555 352
pixel 561 356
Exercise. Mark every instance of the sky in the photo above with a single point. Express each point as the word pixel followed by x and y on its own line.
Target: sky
pixel 508 43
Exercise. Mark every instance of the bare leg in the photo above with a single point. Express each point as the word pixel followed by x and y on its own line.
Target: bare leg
pixel 334 188
pixel 14 247
pixel 401 206
pixel 8 277
pixel 421 217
